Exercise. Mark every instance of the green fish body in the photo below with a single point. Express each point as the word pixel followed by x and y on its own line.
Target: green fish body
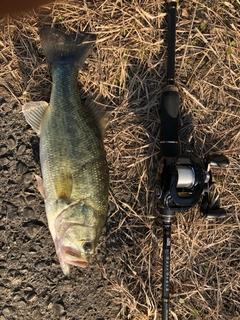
pixel 75 177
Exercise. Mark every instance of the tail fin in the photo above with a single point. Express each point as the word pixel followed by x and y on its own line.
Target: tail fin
pixel 59 47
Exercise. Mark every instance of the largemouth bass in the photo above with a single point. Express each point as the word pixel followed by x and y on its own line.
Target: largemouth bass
pixel 75 178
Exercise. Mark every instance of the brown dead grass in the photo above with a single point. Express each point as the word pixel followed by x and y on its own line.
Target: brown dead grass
pixel 128 67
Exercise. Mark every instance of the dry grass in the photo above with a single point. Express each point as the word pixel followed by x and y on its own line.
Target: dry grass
pixel 128 67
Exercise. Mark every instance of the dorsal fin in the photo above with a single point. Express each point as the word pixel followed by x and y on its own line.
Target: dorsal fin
pixel 96 106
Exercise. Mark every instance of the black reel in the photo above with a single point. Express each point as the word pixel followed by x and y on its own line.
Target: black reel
pixel 184 180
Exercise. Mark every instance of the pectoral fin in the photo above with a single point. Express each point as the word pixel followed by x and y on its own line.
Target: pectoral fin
pixel 33 112
pixel 40 186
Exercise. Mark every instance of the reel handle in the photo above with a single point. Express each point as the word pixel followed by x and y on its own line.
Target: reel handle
pixel 218 160
pixel 214 213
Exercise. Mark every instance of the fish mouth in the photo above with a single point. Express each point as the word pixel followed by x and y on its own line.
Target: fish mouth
pixel 78 263
pixel 73 256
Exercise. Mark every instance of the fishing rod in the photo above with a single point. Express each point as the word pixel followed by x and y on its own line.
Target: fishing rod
pixel 184 180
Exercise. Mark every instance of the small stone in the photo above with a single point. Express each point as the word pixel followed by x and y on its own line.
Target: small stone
pixel 21 304
pixel 49 307
pixel 7 311
pixel 28 213
pixel 31 295
pixel 11 211
pixel 17 297
pixel 30 198
pixel 40 266
pixel 28 289
pixel 11 142
pixel 22 200
pixel 32 229
pixel 37 314
pixel 32 250
pixel 112 206
pixel 27 178
pixel 21 149
pixel 3 150
pixel 21 167
pixel 2 270
pixel 58 309
pixel 4 161
pixel 6 282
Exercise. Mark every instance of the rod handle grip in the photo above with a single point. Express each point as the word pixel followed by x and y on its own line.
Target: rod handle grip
pixel 165 310
pixel 169 114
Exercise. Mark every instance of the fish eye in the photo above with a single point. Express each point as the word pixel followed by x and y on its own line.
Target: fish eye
pixel 87 247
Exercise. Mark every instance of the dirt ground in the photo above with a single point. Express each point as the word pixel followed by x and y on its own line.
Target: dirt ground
pixel 128 67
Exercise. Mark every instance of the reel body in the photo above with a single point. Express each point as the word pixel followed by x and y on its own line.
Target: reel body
pixel 186 180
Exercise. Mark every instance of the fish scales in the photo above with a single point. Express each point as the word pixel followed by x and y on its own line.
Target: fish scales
pixel 71 143
pixel 74 169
